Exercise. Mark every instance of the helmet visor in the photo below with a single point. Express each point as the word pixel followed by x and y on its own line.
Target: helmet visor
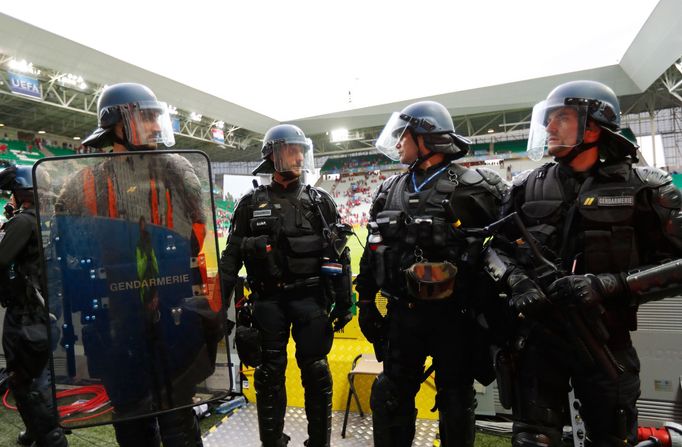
pixel 295 157
pixel 389 138
pixel 147 123
pixel 556 125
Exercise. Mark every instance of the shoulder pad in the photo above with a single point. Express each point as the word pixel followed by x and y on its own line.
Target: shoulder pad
pixel 466 176
pixel 494 179
pixel 326 195
pixel 520 178
pixel 244 200
pixel 669 196
pixel 652 177
pixel 386 184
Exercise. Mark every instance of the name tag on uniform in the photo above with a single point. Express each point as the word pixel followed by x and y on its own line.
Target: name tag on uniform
pixel 262 213
pixel 615 200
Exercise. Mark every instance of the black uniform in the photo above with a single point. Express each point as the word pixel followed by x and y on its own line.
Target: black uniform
pixel 278 234
pixel 414 227
pixel 612 219
pixel 24 337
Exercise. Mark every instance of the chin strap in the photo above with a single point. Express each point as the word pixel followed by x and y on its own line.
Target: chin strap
pixel 577 150
pixel 288 175
pixel 129 146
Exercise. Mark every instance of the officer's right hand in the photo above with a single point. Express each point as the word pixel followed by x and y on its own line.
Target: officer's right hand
pixel 526 297
pixel 371 322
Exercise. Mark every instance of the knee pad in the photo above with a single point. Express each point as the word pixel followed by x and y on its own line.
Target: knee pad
pixel 461 400
pixel 137 432
pixel 388 398
pixel 265 378
pixel 179 428
pixel 316 375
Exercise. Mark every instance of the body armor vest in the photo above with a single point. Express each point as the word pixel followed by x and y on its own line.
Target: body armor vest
pixel 415 227
pixel 587 227
pixel 293 230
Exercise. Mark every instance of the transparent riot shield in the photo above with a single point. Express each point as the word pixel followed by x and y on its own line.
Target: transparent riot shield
pixel 132 273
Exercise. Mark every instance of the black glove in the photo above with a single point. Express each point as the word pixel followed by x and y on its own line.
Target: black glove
pixel 526 296
pixel 339 317
pixel 372 324
pixel 585 291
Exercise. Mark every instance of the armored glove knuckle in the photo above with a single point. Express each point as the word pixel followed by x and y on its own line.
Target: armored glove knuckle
pixel 526 297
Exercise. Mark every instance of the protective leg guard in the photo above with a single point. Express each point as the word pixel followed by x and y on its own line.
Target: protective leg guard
pixel 456 416
pixel 317 383
pixel 393 414
pixel 138 432
pixel 38 416
pixel 271 402
pixel 180 428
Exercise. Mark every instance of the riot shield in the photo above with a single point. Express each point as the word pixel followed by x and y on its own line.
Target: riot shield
pixel 132 267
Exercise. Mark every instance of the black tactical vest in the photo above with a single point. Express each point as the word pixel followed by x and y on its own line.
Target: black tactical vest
pixel 588 225
pixel 415 226
pixel 294 228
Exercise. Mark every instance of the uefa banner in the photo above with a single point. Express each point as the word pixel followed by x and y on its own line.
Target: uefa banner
pixel 132 279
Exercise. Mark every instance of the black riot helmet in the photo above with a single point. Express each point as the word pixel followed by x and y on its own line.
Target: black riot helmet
pixel 590 100
pixel 146 120
pixel 19 180
pixel 284 148
pixel 428 119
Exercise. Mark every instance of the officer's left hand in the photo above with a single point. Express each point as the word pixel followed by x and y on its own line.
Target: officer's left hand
pixel 583 290
pixel 339 318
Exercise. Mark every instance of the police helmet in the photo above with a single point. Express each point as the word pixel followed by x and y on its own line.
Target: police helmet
pixel 13 178
pixel 19 180
pixel 278 143
pixel 590 100
pixel 146 120
pixel 428 119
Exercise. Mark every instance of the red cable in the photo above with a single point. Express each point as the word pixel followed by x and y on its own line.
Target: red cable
pixel 99 400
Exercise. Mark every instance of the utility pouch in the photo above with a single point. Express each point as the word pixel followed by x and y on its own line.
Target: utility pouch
pixel 391 223
pixel 264 225
pixel 431 280
pixel 304 257
pixel 259 248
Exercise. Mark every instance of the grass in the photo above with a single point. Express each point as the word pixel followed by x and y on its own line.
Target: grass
pixel 11 425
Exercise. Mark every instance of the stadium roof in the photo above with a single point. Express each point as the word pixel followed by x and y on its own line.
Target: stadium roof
pixel 325 65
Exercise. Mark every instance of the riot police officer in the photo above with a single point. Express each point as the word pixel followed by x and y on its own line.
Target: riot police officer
pixel 283 233
pixel 132 119
pixel 429 272
pixel 24 335
pixel 595 216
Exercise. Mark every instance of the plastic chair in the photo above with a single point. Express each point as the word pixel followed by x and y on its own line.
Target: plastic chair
pixel 363 364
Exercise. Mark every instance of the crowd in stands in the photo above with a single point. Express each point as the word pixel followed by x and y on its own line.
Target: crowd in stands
pixel 353 195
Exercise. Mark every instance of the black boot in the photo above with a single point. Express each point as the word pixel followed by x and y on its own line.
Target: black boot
pixel 25 438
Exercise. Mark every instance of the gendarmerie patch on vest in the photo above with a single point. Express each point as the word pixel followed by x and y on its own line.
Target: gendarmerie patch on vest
pixel 262 213
pixel 615 201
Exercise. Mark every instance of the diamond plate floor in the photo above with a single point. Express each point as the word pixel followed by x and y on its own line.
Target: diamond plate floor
pixel 241 430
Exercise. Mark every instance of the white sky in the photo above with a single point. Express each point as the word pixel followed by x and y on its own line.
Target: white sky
pixel 296 58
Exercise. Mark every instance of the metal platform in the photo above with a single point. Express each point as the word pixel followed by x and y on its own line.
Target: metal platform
pixel 241 430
